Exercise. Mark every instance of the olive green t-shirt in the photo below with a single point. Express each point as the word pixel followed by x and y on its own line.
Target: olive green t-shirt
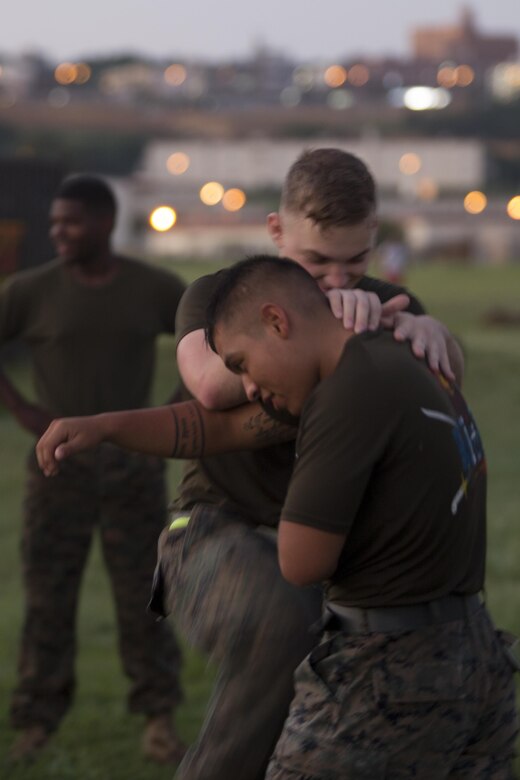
pixel 92 347
pixel 389 454
pixel 252 483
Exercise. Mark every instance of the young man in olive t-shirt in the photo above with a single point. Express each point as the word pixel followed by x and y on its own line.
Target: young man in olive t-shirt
pixel 387 507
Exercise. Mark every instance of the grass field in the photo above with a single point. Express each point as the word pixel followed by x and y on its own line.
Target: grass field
pixel 98 740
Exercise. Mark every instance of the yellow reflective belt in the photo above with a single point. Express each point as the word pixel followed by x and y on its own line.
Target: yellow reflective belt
pixel 179 522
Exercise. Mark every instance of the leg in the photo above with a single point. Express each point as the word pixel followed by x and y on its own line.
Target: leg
pixel 490 751
pixel 394 705
pixel 134 513
pixel 58 523
pixel 229 599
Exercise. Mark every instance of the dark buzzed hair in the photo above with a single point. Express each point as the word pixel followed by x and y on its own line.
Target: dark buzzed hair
pixel 93 192
pixel 331 187
pixel 259 276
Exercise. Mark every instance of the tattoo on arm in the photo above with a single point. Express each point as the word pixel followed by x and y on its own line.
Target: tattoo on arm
pixel 266 430
pixel 189 431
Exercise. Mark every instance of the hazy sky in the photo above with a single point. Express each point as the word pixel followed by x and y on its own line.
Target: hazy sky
pixel 220 29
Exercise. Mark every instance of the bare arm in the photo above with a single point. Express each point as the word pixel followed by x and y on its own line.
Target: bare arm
pixel 185 430
pixel 30 416
pixel 307 555
pixel 430 338
pixel 206 376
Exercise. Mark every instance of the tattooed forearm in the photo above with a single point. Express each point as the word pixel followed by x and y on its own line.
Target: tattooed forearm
pixel 266 430
pixel 189 431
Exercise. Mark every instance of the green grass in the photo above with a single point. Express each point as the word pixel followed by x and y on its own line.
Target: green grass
pixel 98 740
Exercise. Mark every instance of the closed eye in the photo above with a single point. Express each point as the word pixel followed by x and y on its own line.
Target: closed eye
pixel 236 368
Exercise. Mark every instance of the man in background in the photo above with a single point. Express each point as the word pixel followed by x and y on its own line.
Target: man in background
pixel 90 319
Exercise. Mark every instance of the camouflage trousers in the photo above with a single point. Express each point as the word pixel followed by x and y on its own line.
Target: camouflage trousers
pixel 222 584
pixel 429 704
pixel 123 496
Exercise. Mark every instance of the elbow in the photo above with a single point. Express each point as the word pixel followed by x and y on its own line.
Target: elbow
pixel 299 575
pixel 209 397
pixel 203 390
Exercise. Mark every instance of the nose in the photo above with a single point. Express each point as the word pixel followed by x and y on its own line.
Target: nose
pixel 55 232
pixel 336 277
pixel 252 390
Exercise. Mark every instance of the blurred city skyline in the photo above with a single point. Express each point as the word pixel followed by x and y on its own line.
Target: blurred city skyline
pixel 231 29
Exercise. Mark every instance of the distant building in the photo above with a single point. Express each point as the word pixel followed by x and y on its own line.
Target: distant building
pixel 451 164
pixel 463 43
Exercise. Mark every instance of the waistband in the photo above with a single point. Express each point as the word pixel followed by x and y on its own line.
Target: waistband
pixel 354 620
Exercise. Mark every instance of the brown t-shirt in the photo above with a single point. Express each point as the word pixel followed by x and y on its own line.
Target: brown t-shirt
pixel 389 454
pixel 253 483
pixel 92 348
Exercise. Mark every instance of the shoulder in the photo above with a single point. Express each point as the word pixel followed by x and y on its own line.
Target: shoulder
pixel 368 375
pixel 153 276
pixel 131 265
pixel 33 278
pixel 202 288
pixel 191 314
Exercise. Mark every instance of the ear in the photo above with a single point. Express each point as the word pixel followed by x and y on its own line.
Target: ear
pixel 274 228
pixel 275 319
pixel 107 223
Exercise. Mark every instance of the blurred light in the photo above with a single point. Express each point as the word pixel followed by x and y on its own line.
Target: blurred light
pixel 513 207
pixel 196 86
pixel 66 73
pixel 505 80
pixel 427 189
pixel 340 99
pixel 465 75
pixel 475 202
pixel 211 193
pixel 83 73
pixel 233 200
pixel 303 77
pixel 163 218
pixel 1 71
pixel 418 233
pixel 410 163
pixel 425 98
pixel 178 163
pixel 447 76
pixel 175 75
pixel 358 75
pixel 335 76
pixel 290 97
pixel 58 97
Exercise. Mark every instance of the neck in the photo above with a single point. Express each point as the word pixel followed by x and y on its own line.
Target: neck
pixel 98 270
pixel 333 338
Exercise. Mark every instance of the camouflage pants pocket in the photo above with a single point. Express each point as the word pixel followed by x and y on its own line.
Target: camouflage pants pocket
pixel 319 740
pixel 424 709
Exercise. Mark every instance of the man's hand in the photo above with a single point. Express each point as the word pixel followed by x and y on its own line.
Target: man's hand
pixel 360 310
pixel 67 437
pixel 32 418
pixel 431 339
